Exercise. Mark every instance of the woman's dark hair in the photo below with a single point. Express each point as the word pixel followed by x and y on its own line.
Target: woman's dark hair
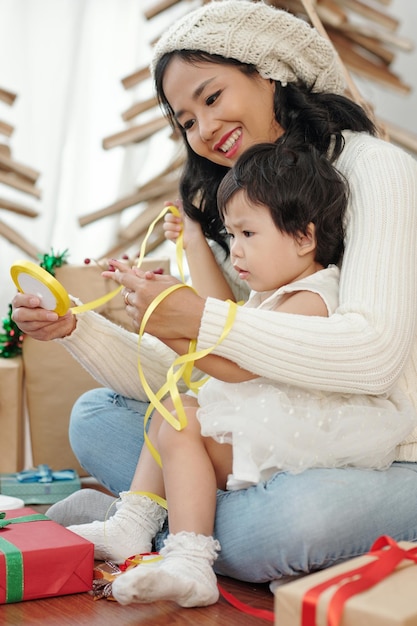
pixel 299 186
pixel 314 118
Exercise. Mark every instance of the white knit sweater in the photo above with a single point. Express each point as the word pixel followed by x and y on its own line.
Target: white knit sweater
pixel 368 346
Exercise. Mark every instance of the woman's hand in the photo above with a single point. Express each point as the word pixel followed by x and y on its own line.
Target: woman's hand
pixel 40 323
pixel 177 316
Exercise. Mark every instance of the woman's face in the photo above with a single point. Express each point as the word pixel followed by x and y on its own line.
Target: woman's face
pixel 222 110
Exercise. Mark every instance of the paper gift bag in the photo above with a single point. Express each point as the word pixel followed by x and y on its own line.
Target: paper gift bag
pixel 54 380
pixel 377 589
pixel 40 559
pixel 11 414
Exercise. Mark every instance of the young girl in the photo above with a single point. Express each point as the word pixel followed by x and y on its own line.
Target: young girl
pixel 283 210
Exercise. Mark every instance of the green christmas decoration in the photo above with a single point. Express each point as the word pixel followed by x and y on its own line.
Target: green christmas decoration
pixel 50 262
pixel 11 339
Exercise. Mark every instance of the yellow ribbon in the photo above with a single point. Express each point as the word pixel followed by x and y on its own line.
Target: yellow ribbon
pixel 33 277
pixel 182 366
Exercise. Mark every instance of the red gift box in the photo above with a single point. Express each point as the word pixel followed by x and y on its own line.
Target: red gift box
pixel 40 559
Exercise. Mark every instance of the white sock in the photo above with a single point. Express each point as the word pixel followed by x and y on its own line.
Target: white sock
pixel 129 531
pixel 185 574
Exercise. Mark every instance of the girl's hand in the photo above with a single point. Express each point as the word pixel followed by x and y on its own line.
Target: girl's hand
pixel 174 225
pixel 176 316
pixel 40 323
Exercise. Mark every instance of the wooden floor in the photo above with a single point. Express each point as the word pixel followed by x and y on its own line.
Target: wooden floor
pixel 82 610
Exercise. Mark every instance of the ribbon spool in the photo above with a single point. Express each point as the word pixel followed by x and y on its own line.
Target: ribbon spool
pixel 33 279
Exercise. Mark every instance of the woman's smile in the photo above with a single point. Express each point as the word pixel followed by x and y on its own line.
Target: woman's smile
pixel 229 144
pixel 221 110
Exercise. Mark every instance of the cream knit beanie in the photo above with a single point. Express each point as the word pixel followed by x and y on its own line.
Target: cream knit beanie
pixel 280 45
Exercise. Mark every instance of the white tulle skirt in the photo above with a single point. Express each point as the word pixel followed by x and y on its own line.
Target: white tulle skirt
pixel 285 428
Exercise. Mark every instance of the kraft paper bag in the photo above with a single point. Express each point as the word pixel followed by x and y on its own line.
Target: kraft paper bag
pixel 11 414
pixel 54 380
pixel 390 602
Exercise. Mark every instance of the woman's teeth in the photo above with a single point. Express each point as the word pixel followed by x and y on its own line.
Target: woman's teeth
pixel 230 141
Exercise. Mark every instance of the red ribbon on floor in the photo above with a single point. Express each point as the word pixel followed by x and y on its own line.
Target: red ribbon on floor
pixel 388 554
pixel 246 608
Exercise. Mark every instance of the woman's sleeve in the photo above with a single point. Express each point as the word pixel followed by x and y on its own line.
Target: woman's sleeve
pixel 364 346
pixel 110 354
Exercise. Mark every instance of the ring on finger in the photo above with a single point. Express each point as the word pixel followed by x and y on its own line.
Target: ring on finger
pixel 126 298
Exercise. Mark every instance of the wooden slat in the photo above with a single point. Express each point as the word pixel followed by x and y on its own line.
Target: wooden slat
pixel 315 21
pixel 122 246
pixel 370 13
pixel 5 150
pixel 159 8
pixel 6 129
pixel 139 225
pixel 135 134
pixel 18 240
pixel 125 203
pixel 7 96
pixel 400 136
pixel 17 182
pixel 136 77
pixel 331 13
pixel 385 37
pixel 20 209
pixel 138 108
pixel 370 44
pixel 364 67
pixel 9 165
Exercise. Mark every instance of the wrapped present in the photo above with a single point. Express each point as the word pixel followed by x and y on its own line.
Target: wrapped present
pixel 11 414
pixel 377 589
pixel 40 485
pixel 41 559
pixel 105 573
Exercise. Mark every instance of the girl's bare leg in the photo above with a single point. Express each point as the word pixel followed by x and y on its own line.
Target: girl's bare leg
pixel 193 467
pixel 138 517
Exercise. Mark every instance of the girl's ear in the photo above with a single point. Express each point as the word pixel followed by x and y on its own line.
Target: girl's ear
pixel 306 242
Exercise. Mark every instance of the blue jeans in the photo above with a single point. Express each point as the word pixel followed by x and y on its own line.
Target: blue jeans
pixel 289 525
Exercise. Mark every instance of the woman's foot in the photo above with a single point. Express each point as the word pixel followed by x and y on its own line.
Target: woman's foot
pixel 185 574
pixel 82 507
pixel 129 531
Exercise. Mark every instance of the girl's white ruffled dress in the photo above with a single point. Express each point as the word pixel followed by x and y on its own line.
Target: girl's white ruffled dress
pixel 274 426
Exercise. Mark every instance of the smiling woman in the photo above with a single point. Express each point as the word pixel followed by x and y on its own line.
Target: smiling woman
pixel 297 522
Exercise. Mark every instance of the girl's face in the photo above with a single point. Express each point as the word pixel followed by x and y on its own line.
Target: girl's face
pixel 222 111
pixel 264 256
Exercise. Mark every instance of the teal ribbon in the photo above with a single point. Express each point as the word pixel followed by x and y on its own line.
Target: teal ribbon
pixel 44 474
pixel 14 558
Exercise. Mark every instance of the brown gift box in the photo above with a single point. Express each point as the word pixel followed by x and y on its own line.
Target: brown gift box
pixel 390 602
pixel 54 379
pixel 11 414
